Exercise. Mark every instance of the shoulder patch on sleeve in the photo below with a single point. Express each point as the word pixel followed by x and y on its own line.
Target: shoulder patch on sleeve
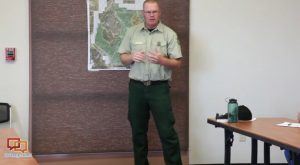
pixel 178 41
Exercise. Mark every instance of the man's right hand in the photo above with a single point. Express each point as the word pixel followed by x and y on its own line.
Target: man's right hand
pixel 299 117
pixel 137 56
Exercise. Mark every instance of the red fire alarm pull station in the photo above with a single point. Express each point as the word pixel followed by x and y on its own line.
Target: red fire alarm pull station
pixel 10 54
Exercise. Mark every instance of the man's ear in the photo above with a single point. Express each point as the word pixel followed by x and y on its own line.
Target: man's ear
pixel 143 13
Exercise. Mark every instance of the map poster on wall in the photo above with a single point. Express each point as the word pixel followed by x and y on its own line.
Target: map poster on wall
pixel 108 21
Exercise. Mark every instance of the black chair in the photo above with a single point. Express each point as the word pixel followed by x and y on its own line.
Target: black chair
pixel 5 111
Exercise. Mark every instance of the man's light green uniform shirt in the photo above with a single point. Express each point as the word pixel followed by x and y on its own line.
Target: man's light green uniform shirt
pixel 140 39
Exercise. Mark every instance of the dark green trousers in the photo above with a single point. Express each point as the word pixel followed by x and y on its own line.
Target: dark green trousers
pixel 154 98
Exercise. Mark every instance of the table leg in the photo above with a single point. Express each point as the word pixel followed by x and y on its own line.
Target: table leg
pixel 296 158
pixel 267 153
pixel 254 152
pixel 228 144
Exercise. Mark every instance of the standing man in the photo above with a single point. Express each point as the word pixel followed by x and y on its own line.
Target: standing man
pixel 152 49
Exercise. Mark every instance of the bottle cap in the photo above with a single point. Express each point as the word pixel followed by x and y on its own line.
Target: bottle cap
pixel 232 100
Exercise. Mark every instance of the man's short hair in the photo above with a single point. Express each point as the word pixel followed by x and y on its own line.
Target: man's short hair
pixel 150 1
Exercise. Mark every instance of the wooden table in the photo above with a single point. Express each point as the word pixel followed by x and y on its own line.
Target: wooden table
pixel 11 133
pixel 262 129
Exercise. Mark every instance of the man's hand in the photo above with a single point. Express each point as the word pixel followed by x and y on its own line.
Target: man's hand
pixel 299 117
pixel 137 56
pixel 156 58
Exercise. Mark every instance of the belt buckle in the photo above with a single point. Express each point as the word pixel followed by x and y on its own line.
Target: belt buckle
pixel 147 83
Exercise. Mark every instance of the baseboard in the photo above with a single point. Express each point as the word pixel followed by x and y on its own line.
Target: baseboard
pixel 244 164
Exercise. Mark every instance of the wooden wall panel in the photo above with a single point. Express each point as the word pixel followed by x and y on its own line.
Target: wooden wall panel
pixel 77 111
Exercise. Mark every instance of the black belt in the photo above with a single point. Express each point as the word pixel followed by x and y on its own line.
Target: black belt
pixel 147 83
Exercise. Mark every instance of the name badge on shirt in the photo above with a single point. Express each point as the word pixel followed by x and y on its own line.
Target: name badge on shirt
pixel 138 43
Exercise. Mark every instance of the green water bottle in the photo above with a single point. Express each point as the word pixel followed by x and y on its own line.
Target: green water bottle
pixel 233 110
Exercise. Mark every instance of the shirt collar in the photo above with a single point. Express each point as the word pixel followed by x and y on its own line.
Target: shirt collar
pixel 159 27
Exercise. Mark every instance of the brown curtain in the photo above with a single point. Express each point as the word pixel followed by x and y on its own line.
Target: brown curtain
pixel 78 111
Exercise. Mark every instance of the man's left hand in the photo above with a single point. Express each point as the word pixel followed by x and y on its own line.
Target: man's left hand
pixel 155 58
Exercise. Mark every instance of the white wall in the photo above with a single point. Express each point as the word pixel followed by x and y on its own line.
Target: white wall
pixel 248 50
pixel 14 76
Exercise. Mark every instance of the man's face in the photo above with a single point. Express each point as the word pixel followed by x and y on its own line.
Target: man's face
pixel 151 15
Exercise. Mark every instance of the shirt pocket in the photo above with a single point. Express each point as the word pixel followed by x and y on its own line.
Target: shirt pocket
pixel 160 47
pixel 138 46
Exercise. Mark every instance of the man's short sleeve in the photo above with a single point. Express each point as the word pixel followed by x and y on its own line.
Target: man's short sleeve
pixel 174 49
pixel 125 45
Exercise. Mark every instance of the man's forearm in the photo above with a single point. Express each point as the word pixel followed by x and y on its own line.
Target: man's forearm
pixel 171 63
pixel 126 59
